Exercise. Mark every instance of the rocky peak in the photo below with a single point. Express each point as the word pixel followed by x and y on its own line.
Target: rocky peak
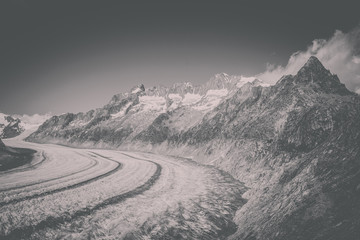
pixel 314 75
pixel 160 91
pixel 131 94
pixel 222 76
pixel 314 62
pixel 182 88
pixel 220 81
pixel 11 119
pixel 314 71
pixel 138 88
pixel 223 79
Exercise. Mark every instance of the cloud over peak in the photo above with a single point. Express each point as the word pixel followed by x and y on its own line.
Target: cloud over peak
pixel 340 54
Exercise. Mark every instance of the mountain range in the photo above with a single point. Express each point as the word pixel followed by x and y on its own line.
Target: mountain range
pixel 130 117
pixel 295 145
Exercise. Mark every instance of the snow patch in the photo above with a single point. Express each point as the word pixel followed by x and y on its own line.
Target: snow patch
pixel 176 100
pixel 173 96
pixel 211 100
pixel 191 98
pixel 152 103
pixel 217 92
pixel 136 90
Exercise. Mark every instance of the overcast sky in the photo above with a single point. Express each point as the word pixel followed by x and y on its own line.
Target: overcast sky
pixel 71 56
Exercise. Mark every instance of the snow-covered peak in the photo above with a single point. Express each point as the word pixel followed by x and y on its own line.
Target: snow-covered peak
pixel 188 84
pixel 182 88
pixel 224 76
pixel 203 97
pixel 220 81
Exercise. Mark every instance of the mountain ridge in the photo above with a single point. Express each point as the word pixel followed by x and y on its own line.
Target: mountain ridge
pixel 295 144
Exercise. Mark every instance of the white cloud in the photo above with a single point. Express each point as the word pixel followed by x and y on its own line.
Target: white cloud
pixel 356 60
pixel 35 119
pixel 339 54
pixel 358 90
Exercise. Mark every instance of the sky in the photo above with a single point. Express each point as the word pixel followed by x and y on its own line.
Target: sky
pixel 72 56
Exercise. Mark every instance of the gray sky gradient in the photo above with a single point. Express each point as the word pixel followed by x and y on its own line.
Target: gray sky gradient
pixel 71 56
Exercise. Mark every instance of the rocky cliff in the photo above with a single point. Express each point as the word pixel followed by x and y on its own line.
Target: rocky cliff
pixel 296 144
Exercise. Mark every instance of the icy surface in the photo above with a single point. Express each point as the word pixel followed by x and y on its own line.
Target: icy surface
pixel 184 198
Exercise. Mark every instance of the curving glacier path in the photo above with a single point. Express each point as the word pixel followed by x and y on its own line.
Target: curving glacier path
pixel 69 193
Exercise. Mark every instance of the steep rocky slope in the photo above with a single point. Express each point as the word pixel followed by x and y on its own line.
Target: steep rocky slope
pixel 296 145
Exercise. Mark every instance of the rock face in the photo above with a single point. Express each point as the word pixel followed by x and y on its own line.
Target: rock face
pixel 296 144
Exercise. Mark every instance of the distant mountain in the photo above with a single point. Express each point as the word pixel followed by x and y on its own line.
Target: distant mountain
pixel 295 144
pixel 128 116
pixel 14 125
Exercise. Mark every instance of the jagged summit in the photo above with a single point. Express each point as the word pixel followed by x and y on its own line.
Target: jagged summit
pixel 314 75
pixel 138 88
pixel 220 81
pixel 313 68
pixel 223 76
pixel 314 71
pixel 313 62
